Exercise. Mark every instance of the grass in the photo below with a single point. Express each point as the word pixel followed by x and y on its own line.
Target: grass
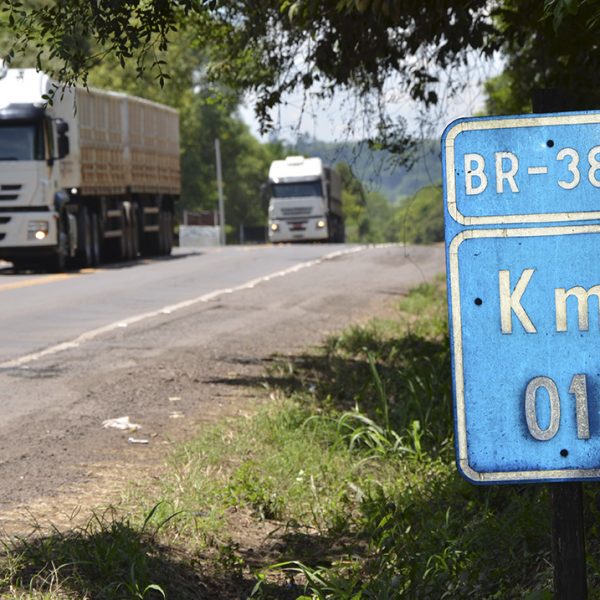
pixel 109 557
pixel 342 486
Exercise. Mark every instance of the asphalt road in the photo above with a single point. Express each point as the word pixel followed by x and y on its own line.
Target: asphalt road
pixel 39 311
pixel 170 343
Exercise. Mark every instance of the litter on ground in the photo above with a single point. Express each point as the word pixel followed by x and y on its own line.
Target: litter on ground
pixel 133 440
pixel 122 423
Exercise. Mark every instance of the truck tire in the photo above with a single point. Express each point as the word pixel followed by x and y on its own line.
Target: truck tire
pixel 333 230
pixel 167 232
pixel 57 263
pixel 85 253
pixel 134 233
pixel 128 251
pixel 96 239
pixel 150 245
pixel 115 248
pixel 340 234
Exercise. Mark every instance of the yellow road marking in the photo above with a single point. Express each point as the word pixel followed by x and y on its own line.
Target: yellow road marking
pixel 89 270
pixel 29 282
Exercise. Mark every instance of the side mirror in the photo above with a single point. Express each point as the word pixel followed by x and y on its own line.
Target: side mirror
pixel 62 127
pixel 63 146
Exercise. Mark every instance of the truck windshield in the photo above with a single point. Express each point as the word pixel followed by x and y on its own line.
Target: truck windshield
pixel 297 189
pixel 21 142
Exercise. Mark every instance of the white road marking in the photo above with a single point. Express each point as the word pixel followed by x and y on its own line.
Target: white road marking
pixel 167 310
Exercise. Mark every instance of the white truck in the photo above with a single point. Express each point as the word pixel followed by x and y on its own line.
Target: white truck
pixel 89 176
pixel 304 201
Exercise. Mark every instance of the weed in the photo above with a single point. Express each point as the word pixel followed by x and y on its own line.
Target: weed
pixel 106 558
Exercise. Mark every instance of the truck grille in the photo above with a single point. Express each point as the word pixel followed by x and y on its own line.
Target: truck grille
pixel 9 187
pixel 299 211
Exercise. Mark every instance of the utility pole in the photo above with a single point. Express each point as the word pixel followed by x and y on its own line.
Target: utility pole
pixel 220 190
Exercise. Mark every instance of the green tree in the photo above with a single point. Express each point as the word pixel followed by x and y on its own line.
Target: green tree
pixel 354 203
pixel 275 46
pixel 380 219
pixel 549 46
pixel 502 98
pixel 420 218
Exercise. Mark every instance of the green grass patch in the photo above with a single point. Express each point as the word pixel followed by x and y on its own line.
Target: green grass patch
pixel 278 464
pixel 110 557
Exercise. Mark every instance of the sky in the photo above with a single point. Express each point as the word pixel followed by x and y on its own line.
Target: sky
pixel 328 120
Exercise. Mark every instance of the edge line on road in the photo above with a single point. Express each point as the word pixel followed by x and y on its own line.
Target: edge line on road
pixel 167 310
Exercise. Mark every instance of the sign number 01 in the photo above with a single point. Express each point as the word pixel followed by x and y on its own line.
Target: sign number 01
pixel 578 389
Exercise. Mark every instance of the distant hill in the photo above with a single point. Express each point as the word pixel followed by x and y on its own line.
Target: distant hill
pixel 380 170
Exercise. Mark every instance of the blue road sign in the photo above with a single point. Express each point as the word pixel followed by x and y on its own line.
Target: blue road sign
pixel 522 215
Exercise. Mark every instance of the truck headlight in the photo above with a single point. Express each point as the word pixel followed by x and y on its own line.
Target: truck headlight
pixel 37 230
pixel 274 227
pixel 321 223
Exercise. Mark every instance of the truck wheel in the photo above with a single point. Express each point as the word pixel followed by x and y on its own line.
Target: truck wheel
pixel 134 234
pixel 95 242
pixel 153 243
pixel 332 228
pixel 168 233
pixel 165 236
pixel 162 233
pixel 84 239
pixel 115 248
pixel 58 262
pixel 127 238
pixel 340 232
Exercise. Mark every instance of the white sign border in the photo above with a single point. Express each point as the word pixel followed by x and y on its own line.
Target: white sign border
pixel 459 383
pixel 461 125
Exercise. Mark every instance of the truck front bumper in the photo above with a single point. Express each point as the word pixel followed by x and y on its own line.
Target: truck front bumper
pixel 297 231
pixel 16 235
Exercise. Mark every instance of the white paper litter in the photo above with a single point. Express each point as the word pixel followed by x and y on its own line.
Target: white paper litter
pixel 133 440
pixel 122 423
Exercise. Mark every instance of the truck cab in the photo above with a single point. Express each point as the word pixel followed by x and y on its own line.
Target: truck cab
pixel 304 201
pixel 32 143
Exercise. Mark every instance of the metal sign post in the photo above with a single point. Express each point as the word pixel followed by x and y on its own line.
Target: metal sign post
pixel 568 531
pixel 522 212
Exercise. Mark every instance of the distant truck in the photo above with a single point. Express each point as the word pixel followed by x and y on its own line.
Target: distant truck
pixel 304 201
pixel 93 175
